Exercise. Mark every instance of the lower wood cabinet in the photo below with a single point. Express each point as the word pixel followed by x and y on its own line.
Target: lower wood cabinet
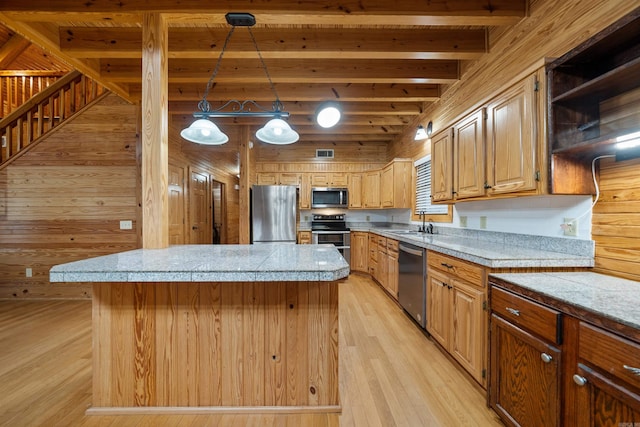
pixel 304 237
pixel 359 251
pixel 525 384
pixel 456 319
pixel 551 368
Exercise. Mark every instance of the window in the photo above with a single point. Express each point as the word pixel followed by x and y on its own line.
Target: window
pixel 423 189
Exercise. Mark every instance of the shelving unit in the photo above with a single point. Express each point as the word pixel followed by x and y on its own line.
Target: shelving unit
pixel 587 102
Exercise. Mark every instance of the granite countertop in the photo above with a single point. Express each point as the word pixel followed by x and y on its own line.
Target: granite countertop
pixel 607 296
pixel 210 263
pixel 492 254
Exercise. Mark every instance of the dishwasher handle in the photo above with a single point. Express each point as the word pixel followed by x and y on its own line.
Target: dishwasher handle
pixel 409 250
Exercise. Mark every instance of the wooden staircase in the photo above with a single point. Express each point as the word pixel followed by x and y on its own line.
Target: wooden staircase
pixel 25 127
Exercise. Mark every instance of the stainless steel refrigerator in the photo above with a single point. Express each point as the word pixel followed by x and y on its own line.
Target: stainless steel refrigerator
pixel 273 213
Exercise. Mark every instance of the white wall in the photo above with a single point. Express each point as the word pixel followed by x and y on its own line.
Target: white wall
pixel 539 216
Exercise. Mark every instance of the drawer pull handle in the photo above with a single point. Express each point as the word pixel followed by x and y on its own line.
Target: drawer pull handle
pixel 513 311
pixel 546 358
pixel 444 264
pixel 581 381
pixel 634 371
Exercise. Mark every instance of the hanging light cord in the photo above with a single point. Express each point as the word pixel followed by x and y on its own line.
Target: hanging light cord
pixel 595 183
pixel 204 104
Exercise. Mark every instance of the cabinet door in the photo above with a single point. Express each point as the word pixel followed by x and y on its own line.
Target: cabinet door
pixel 359 251
pixel 371 191
pixel 320 179
pixel 305 191
pixel 468 339
pixel 438 307
pixel 511 140
pixel 286 178
pixel 338 179
pixel 392 273
pixel 267 178
pixel 304 237
pixel 355 190
pixel 442 166
pixel 386 187
pixel 525 389
pixel 469 156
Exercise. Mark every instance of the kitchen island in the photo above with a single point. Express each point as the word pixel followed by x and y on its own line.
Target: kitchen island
pixel 201 328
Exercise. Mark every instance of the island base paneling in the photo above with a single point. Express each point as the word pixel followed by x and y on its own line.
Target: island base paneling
pixel 215 346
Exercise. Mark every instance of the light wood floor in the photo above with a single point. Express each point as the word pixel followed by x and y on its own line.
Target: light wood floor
pixel 391 374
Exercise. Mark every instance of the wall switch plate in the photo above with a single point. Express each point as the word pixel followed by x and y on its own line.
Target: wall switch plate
pixel 367 217
pixel 463 221
pixel 483 222
pixel 28 272
pixel 126 225
pixel 4 141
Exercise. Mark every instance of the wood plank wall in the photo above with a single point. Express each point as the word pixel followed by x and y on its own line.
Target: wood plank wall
pixel 64 200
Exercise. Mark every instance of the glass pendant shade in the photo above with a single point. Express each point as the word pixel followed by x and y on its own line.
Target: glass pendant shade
pixel 421 134
pixel 328 115
pixel 277 131
pixel 205 132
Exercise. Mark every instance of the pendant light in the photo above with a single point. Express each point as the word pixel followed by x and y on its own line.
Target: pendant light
pixel 328 114
pixel 204 131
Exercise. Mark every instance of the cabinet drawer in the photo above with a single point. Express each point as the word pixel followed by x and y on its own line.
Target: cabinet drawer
pixel 614 355
pixel 542 321
pixel 470 272
pixel 382 241
pixel 392 245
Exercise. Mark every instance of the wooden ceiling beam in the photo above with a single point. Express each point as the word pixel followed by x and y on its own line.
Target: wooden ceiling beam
pixel 329 43
pixel 293 71
pixel 302 120
pixel 287 12
pixel 309 92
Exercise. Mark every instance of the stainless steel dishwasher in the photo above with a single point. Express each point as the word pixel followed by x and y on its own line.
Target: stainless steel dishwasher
pixel 411 281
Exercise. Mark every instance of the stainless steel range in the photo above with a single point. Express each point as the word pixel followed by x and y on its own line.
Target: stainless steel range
pixel 333 230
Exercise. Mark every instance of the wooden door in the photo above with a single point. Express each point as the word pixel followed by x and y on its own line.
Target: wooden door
pixel 339 179
pixel 386 187
pixel 320 179
pixel 177 208
pixel 199 209
pixel 392 273
pixel 219 210
pixel 355 190
pixel 511 139
pixel 442 166
pixel 469 156
pixel 304 194
pixel 524 389
pixel 468 338
pixel 267 178
pixel 287 178
pixel 438 307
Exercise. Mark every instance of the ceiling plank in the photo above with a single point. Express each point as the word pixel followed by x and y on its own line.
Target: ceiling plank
pixel 12 49
pixel 293 71
pixel 41 36
pixel 330 43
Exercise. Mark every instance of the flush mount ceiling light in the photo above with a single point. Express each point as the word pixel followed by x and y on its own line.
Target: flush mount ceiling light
pixel 328 114
pixel 203 131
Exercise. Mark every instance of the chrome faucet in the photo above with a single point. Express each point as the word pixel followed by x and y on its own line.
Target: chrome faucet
pixel 422 229
pixel 429 229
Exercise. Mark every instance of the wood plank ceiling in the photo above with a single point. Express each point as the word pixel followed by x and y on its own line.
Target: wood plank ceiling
pixel 384 61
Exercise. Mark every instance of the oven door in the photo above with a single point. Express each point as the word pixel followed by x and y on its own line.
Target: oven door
pixel 340 239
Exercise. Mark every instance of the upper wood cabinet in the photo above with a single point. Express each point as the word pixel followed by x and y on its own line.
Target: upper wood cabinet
pixel 278 178
pixel 442 166
pixel 469 156
pixel 354 185
pixel 511 140
pixel 329 179
pixel 395 185
pixel 371 189
pixel 304 194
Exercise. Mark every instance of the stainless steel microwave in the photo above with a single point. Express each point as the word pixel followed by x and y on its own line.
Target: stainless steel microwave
pixel 325 197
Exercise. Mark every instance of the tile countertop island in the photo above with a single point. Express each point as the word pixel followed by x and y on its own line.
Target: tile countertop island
pixel 214 328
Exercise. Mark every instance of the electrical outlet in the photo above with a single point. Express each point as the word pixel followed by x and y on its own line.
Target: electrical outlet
pixel 306 217
pixel 28 272
pixel 463 221
pixel 4 141
pixel 126 225
pixel 570 227
pixel 367 217
pixel 483 222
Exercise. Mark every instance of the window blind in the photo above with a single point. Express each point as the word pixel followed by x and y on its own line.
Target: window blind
pixel 423 189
